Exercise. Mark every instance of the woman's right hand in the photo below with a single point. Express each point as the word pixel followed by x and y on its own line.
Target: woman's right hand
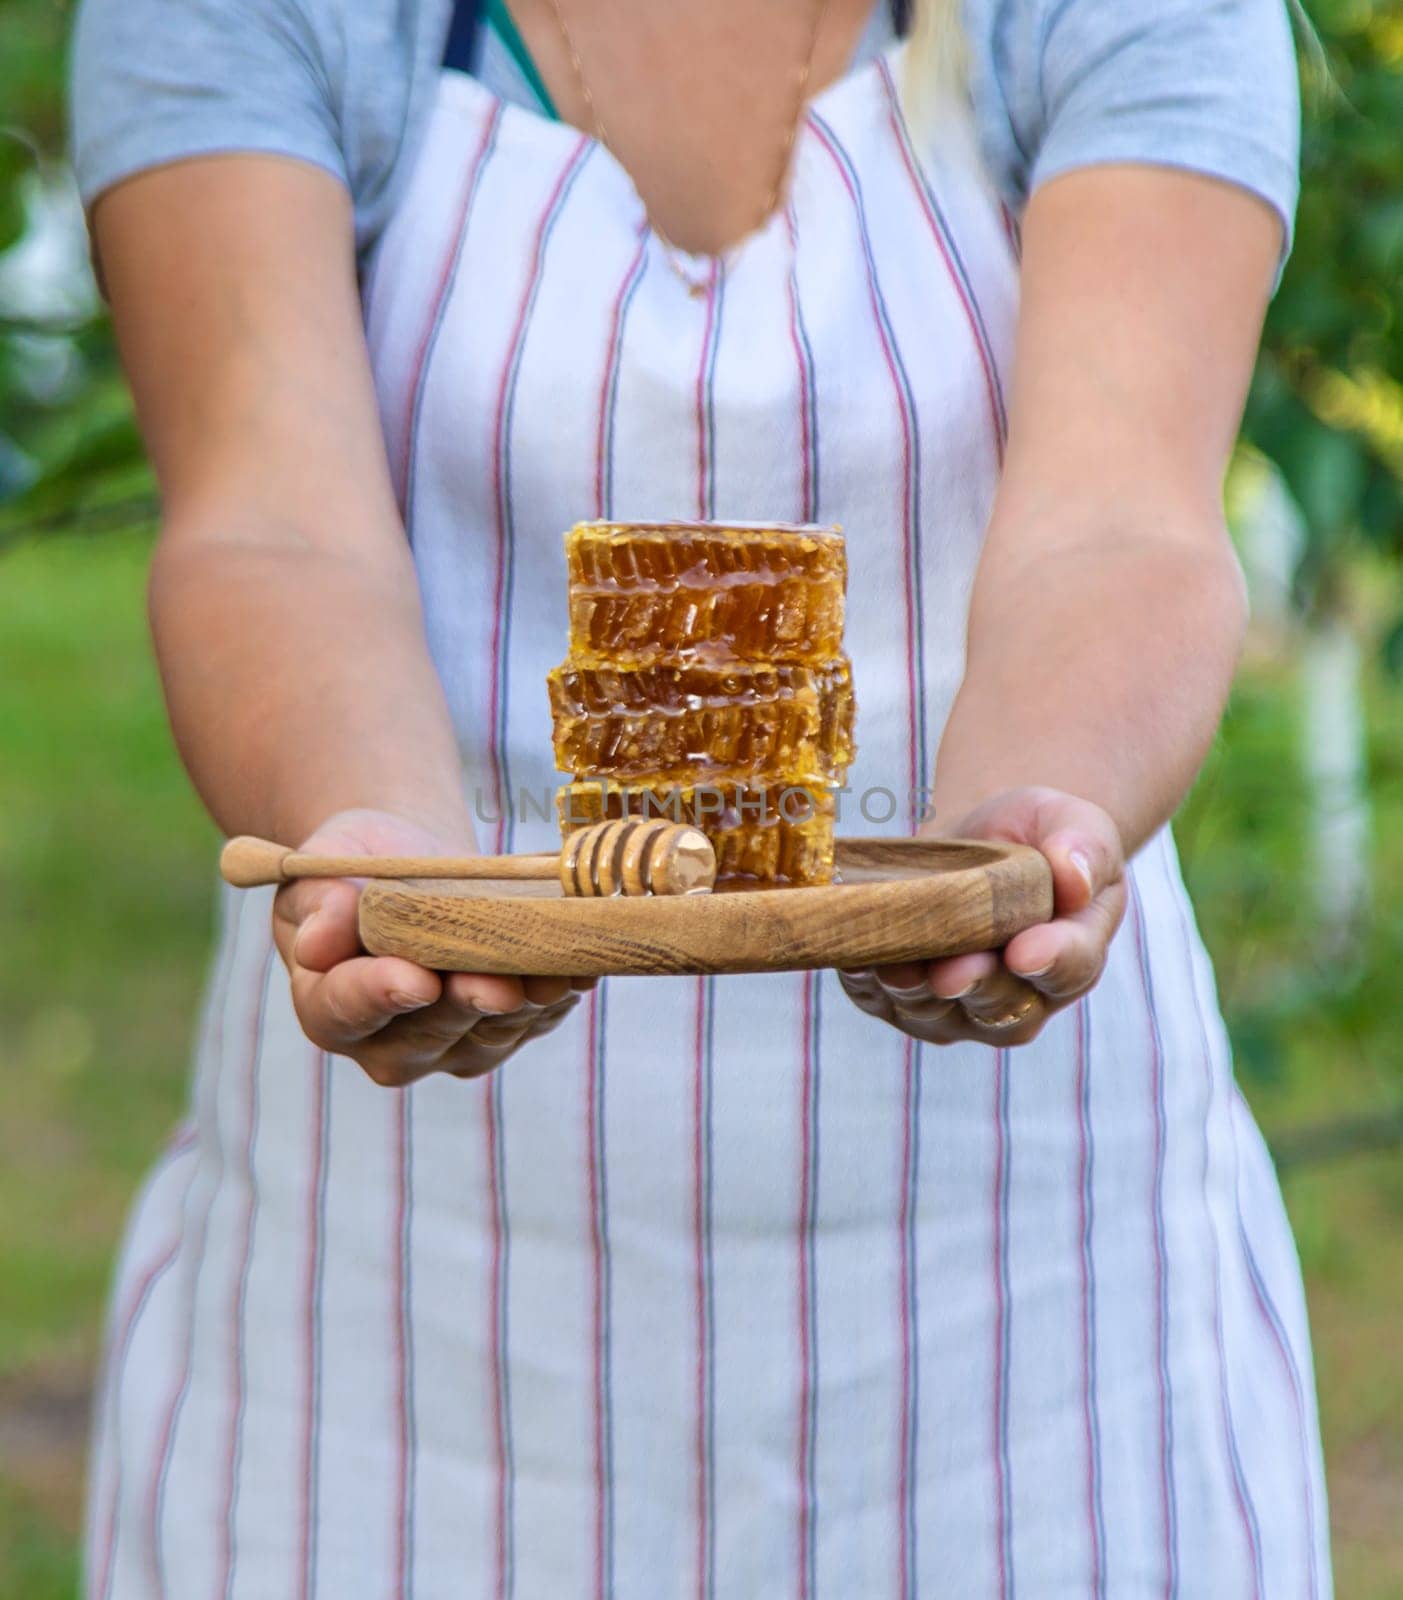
pixel 400 1021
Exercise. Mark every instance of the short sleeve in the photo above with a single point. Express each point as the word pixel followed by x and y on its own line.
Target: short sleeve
pixel 1209 86
pixel 155 81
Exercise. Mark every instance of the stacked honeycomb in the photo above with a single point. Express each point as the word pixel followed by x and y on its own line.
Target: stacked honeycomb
pixel 706 683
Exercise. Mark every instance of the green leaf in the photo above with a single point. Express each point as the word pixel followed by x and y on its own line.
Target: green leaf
pixel 15 160
pixel 1381 507
pixel 1381 235
pixel 1327 473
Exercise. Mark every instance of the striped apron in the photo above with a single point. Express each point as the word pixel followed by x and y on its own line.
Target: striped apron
pixel 724 1289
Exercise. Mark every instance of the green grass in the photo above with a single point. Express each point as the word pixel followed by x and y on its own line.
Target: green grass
pixel 105 899
pixel 1315 1041
pixel 1314 1036
pixel 105 902
pixel 37 1556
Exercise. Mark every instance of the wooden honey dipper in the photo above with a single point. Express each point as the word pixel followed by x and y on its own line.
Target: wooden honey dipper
pixel 631 855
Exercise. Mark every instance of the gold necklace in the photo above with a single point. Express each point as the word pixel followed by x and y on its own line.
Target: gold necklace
pixel 677 258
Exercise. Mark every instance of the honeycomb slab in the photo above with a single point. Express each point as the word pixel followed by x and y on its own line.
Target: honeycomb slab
pixel 656 592
pixel 702 721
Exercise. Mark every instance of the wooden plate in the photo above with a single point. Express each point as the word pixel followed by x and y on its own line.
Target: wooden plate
pixel 898 900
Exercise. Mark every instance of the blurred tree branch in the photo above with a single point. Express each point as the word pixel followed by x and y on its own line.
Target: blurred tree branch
pixel 1327 401
pixel 44 327
pixel 1337 1138
pixel 107 517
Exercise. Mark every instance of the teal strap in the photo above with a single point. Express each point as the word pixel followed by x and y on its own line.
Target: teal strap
pixel 497 17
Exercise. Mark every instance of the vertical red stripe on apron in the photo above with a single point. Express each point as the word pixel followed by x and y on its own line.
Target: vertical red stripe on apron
pixel 602 1399
pixel 499 454
pixel 1162 1340
pixel 218 1001
pixel 1002 1483
pixel 419 365
pixel 968 304
pixel 1247 1512
pixel 906 1487
pixel 806 499
pixel 311 1331
pixel 906 1533
pixel 157 1491
pixel 841 162
pixel 1272 1317
pixel 706 507
pixel 494 1300
pixel 121 1345
pixel 807 1132
pixel 236 1402
pixel 579 152
pixel 699 1239
pixel 402 1134
pixel 1266 1309
pixel 705 443
pixel 604 446
pixel 597 1280
pixel 1085 1216
pixel 806 1287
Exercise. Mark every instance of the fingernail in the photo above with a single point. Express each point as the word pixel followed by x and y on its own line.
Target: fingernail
pixel 1037 972
pixel 968 989
pixel 1082 862
pixel 299 944
pixel 856 972
pixel 495 1033
pixel 402 1000
pixel 917 992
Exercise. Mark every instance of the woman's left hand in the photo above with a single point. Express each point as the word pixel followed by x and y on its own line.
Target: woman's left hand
pixel 1004 998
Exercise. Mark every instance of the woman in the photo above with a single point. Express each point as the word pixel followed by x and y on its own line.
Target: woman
pixel 733 1287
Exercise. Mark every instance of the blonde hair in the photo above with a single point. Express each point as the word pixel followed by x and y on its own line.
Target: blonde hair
pixel 935 56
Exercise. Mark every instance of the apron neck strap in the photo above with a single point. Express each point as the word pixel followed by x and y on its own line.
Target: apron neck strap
pixel 458 47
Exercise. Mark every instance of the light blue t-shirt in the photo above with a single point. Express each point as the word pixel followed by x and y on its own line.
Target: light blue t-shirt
pixel 1205 85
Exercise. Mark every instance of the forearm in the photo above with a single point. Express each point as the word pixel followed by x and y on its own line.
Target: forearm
pixel 1099 667
pixel 1108 608
pixel 299 685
